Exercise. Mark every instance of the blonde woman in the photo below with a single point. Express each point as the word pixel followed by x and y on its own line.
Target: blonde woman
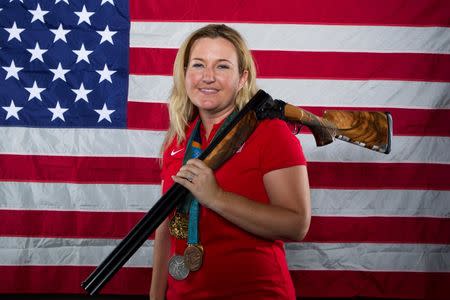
pixel 226 241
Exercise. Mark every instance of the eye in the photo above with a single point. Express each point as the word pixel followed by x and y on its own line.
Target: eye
pixel 223 66
pixel 197 65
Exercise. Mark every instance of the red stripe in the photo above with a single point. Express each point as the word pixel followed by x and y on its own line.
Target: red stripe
pixel 136 281
pixel 41 168
pixel 146 171
pixel 151 116
pixel 407 122
pixel 392 285
pixel 384 12
pixel 335 175
pixel 116 225
pixel 317 65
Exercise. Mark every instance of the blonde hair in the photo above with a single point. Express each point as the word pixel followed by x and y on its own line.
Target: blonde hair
pixel 181 109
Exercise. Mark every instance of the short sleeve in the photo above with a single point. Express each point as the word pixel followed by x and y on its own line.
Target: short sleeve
pixel 280 147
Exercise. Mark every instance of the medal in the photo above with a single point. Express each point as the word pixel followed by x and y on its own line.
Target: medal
pixel 177 267
pixel 178 226
pixel 193 257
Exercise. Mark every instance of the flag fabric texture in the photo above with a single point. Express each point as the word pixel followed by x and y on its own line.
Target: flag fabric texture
pixel 83 89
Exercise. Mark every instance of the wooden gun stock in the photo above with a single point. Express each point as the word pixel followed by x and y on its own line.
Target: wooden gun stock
pixel 369 129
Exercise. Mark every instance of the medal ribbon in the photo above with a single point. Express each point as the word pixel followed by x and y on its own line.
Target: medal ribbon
pixel 194 149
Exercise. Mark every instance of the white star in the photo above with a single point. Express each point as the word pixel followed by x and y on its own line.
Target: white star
pixel 107 35
pixel 38 14
pixel 66 1
pixel 105 74
pixel 13 0
pixel 59 73
pixel 12 110
pixel 14 32
pixel 12 71
pixel 82 54
pixel 84 15
pixel 35 92
pixel 37 52
pixel 107 1
pixel 60 33
pixel 104 113
pixel 58 112
pixel 81 93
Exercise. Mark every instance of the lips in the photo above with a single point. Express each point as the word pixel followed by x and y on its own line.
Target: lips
pixel 208 90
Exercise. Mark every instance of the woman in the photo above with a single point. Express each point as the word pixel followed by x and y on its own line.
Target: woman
pixel 226 242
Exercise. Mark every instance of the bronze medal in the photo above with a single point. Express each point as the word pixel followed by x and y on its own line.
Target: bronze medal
pixel 178 226
pixel 193 257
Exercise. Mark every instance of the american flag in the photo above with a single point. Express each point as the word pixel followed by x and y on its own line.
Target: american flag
pixel 83 86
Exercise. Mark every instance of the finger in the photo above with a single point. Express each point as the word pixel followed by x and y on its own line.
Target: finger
pixel 186 174
pixel 183 181
pixel 197 163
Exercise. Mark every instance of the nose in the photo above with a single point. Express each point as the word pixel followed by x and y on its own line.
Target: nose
pixel 208 75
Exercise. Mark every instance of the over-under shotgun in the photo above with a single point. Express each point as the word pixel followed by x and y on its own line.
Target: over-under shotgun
pixel 372 130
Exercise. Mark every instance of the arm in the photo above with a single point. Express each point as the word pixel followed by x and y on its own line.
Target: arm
pixel 160 262
pixel 286 217
pixel 161 250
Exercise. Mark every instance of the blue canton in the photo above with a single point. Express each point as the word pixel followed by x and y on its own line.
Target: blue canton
pixel 64 63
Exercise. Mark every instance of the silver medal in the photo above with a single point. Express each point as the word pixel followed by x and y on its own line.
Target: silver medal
pixel 177 268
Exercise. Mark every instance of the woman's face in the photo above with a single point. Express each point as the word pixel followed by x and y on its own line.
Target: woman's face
pixel 212 76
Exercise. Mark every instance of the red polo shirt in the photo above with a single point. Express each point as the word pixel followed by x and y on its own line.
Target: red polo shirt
pixel 238 264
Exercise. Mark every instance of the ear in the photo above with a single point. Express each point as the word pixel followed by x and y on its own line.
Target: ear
pixel 243 79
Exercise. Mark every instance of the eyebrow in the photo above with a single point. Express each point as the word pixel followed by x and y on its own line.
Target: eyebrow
pixel 219 60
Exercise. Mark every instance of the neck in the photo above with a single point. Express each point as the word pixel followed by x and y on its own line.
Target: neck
pixel 210 119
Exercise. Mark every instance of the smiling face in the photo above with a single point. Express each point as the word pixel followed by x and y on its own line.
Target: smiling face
pixel 212 76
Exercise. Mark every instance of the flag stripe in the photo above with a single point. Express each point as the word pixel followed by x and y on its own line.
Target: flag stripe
pixel 379 230
pixel 393 285
pixel 293 37
pixel 308 283
pixel 386 12
pixel 379 175
pixel 129 198
pixel 146 171
pixel 301 256
pixel 412 122
pixel 316 65
pixel 330 93
pixel 75 224
pixel 147 144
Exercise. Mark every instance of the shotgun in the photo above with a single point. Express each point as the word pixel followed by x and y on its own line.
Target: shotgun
pixel 372 130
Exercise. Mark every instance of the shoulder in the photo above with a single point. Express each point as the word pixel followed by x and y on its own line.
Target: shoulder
pixel 275 130
pixel 278 146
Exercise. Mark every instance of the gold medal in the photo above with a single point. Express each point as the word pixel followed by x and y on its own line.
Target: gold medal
pixel 193 257
pixel 178 226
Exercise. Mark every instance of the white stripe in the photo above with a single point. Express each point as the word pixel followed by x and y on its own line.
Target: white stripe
pixel 139 143
pixel 81 142
pixel 293 37
pixel 78 197
pixel 300 256
pixel 310 92
pixel 140 198
pixel 368 257
pixel 19 251
pixel 405 149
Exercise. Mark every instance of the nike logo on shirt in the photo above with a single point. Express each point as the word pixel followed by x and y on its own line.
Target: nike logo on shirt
pixel 174 152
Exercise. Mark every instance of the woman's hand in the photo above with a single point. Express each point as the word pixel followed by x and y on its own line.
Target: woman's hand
pixel 199 179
